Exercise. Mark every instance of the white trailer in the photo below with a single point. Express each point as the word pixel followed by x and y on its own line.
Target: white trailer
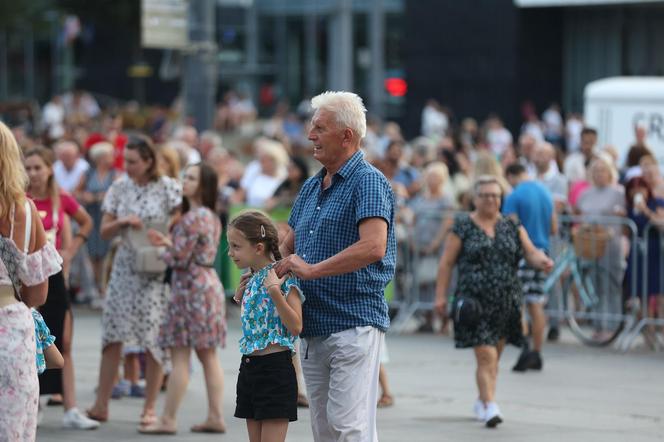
pixel 614 106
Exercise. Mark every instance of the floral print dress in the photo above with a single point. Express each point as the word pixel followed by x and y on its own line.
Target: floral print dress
pixel 196 314
pixel 136 303
pixel 487 269
pixel 19 387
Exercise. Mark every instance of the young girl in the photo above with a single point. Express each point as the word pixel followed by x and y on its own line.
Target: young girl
pixel 48 355
pixel 271 320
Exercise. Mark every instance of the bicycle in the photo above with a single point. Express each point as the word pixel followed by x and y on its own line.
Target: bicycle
pixel 583 309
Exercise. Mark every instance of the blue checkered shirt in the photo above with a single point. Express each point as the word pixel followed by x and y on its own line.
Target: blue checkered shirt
pixel 325 222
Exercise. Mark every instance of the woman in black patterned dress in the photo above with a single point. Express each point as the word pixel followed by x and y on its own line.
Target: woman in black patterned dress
pixel 487 249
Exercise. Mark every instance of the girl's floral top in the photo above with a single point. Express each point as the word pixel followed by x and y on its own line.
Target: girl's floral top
pixel 43 338
pixel 261 324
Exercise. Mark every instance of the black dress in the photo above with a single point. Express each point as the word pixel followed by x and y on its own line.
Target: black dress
pixel 487 271
pixel 54 310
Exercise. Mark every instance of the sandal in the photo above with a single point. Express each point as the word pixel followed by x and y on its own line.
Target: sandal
pixel 96 417
pixel 53 402
pixel 385 401
pixel 148 419
pixel 206 427
pixel 156 428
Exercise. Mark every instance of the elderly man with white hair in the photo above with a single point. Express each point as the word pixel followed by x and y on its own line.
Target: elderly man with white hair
pixel 342 247
pixel 187 138
pixel 70 167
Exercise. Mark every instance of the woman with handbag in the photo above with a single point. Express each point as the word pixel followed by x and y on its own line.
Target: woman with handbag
pixel 27 260
pixel 56 209
pixel 136 298
pixel 487 311
pixel 196 317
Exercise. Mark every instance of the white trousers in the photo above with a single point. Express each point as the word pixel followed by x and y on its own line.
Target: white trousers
pixel 341 373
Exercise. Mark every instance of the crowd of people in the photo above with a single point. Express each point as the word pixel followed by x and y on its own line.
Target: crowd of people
pixel 129 209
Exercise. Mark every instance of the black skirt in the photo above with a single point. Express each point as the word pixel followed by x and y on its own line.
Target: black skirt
pixel 54 310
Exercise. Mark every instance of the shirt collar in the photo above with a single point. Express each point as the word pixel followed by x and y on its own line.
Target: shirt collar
pixel 347 168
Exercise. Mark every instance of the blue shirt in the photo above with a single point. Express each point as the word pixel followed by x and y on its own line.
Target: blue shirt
pixel 325 222
pixel 261 324
pixel 532 202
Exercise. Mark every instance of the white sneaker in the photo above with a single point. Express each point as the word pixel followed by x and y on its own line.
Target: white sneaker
pixel 492 416
pixel 479 410
pixel 75 419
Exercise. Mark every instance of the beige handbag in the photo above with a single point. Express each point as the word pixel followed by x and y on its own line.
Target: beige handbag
pixel 147 260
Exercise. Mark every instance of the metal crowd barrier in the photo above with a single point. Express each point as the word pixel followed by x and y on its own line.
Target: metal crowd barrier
pixel 418 286
pixel 586 285
pixel 649 251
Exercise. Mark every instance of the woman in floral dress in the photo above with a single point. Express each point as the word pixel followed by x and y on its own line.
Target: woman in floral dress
pixel 27 259
pixel 135 302
pixel 196 314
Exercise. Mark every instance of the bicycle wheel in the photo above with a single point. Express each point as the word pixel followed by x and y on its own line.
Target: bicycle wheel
pixel 594 316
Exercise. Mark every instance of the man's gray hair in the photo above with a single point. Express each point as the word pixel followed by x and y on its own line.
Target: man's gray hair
pixel 347 107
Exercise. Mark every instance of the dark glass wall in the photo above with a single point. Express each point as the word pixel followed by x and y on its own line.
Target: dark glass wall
pixel 480 56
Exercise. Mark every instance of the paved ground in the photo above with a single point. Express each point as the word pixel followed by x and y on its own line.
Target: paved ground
pixel 583 394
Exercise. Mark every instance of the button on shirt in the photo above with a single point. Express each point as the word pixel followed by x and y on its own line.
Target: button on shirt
pixel 325 222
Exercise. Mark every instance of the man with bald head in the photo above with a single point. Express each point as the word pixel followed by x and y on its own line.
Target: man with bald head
pixel 69 167
pixel 547 172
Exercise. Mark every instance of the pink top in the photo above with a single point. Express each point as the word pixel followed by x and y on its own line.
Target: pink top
pixel 576 190
pixel 33 268
pixel 68 205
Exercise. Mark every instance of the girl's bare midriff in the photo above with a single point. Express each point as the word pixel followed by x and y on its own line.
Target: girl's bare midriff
pixel 271 348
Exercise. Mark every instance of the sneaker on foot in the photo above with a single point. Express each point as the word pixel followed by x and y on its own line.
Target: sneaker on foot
pixel 492 416
pixel 136 391
pixel 479 410
pixel 75 419
pixel 121 389
pixel 553 335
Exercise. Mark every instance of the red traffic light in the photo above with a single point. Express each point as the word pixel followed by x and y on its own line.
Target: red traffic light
pixel 396 87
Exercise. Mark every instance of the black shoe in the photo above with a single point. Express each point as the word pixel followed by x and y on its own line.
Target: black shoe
pixel 522 363
pixel 553 335
pixel 534 361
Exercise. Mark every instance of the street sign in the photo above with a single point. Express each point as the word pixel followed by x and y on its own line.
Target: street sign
pixel 164 24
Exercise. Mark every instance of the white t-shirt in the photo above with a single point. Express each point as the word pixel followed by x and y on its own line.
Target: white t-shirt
pixel 69 179
pixel 260 189
pixel 499 140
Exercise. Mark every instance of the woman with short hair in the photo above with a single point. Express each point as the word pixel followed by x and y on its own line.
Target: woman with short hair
pixel 487 248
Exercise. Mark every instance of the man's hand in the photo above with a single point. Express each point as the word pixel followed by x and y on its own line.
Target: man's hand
pixel 239 291
pixel 295 265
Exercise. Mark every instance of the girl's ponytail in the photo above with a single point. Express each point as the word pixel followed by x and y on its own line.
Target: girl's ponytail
pixel 274 248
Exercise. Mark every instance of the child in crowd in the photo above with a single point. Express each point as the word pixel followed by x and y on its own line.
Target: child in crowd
pixel 48 355
pixel 271 317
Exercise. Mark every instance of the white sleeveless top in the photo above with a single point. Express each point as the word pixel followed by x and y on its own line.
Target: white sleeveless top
pixel 34 268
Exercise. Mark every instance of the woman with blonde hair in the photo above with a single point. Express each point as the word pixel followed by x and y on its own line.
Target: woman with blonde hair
pixel 261 178
pixel 487 165
pixel 431 219
pixel 168 161
pixel 605 198
pixel 27 260
pixel 54 206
